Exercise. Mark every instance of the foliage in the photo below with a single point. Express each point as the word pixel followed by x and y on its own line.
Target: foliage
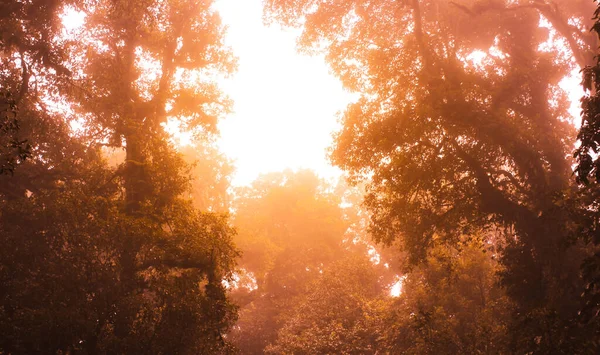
pixel 282 214
pixel 587 176
pixel 459 141
pixel 211 177
pixel 587 166
pixel 63 275
pixel 12 150
pixel 290 228
pixel 451 304
pixel 111 259
pixel 124 45
pixel 339 314
pixel 452 144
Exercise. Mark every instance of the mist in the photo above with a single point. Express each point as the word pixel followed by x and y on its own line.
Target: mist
pixel 175 179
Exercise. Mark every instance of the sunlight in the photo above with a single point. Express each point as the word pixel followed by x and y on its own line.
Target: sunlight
pixel 282 99
pixel 165 185
pixel 72 19
pixel 477 57
pixel 396 289
pixel 572 86
pixel 285 104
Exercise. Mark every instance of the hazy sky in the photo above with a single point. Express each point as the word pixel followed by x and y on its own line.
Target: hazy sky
pixel 285 103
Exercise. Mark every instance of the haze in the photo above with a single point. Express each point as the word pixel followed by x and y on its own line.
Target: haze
pixel 299 177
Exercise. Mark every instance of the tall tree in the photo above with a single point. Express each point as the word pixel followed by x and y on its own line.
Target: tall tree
pixel 142 64
pixel 101 259
pixel 588 173
pixel 146 62
pixel 461 125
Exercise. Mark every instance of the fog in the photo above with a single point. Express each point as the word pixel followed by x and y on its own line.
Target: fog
pixel 175 177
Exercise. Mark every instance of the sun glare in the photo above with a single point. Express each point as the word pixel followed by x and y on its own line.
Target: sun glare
pixel 285 104
pixel 72 19
pixel 396 288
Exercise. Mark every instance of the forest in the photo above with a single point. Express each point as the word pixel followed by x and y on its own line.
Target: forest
pixel 466 219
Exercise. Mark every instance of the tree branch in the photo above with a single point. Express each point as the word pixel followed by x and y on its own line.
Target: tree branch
pixel 419 34
pixel 551 12
pixel 511 178
pixel 25 81
pixel 175 263
pixel 561 26
pixel 493 201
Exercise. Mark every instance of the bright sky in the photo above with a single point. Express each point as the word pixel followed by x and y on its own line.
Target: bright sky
pixel 285 103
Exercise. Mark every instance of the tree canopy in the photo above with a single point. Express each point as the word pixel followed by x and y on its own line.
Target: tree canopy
pixel 101 258
pixel 290 227
pixel 461 127
pixel 466 221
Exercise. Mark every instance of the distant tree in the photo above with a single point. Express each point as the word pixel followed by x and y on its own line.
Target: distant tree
pixel 462 126
pixel 290 228
pixel 211 173
pixel 340 312
pixel 450 304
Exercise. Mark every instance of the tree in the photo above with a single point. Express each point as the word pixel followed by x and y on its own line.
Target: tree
pixel 143 64
pixel 211 176
pixel 290 228
pixel 62 275
pixel 587 166
pixel 450 304
pixel 453 144
pixel 103 259
pixel 125 46
pixel 32 67
pixel 587 171
pixel 13 150
pixel 339 313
